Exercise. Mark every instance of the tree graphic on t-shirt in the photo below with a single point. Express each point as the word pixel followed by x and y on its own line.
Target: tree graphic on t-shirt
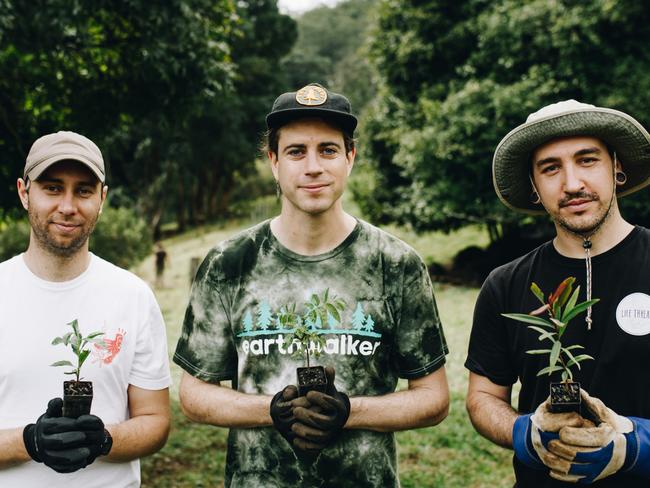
pixel 331 321
pixel 264 316
pixel 358 317
pixel 370 324
pixel 248 322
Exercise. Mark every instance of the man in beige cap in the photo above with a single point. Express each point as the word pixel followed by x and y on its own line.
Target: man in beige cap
pixel 573 161
pixel 57 283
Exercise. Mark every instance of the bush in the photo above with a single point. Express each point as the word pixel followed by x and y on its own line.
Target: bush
pixel 14 237
pixel 120 237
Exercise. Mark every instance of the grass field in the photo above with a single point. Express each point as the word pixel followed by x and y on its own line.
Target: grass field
pixel 449 455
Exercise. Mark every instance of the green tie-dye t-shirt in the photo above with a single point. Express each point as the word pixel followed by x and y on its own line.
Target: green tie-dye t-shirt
pixel 385 327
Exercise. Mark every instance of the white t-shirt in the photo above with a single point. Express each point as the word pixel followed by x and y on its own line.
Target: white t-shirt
pixel 32 313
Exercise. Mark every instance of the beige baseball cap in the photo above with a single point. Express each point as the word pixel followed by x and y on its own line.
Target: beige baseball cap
pixel 63 145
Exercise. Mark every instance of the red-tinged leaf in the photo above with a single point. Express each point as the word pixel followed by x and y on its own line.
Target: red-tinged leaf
pixel 558 291
pixel 567 291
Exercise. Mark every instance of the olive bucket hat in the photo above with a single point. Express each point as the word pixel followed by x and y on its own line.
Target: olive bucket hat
pixel 512 158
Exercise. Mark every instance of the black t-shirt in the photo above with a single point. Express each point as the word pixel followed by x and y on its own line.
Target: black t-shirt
pixel 619 339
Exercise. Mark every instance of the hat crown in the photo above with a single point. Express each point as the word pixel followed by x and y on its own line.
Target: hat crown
pixel 558 108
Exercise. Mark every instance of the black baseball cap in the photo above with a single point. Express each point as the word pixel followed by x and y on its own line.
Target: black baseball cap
pixel 313 100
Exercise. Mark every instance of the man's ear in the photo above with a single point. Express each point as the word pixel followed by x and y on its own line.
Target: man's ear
pixel 273 162
pixel 104 193
pixel 350 157
pixel 23 193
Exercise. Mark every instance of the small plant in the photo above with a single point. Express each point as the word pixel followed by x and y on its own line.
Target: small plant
pixel 561 307
pixel 79 344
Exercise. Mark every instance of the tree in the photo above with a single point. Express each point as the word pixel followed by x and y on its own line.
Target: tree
pixel 264 316
pixel 369 325
pixel 358 317
pixel 248 322
pixel 457 76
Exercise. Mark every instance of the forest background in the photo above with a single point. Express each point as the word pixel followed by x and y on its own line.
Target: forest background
pixel 175 92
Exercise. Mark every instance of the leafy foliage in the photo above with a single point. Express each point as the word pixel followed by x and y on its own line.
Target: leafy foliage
pixel 562 308
pixel 79 345
pixel 457 76
pixel 308 335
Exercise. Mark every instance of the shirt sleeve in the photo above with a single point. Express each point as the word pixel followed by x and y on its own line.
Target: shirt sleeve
pixel 420 342
pixel 150 368
pixel 488 353
pixel 206 347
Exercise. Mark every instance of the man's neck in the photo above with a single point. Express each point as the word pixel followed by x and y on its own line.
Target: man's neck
pixel 310 235
pixel 50 267
pixel 613 231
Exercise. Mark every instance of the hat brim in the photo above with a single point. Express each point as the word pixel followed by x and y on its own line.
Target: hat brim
pixel 347 122
pixel 512 158
pixel 36 171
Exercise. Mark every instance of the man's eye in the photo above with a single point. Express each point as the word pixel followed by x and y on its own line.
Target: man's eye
pixel 550 168
pixel 84 192
pixel 329 151
pixel 295 152
pixel 52 188
pixel 588 160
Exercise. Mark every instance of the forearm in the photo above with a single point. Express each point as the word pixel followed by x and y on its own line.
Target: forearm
pixel 12 448
pixel 425 403
pixel 492 417
pixel 214 404
pixel 138 437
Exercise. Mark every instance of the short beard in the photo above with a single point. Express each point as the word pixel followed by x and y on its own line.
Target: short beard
pixel 52 246
pixel 587 229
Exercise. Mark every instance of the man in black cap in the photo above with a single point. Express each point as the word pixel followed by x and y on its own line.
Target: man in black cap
pixel 313 281
pixel 573 161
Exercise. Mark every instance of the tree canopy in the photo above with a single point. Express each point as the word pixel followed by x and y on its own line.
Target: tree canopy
pixel 457 76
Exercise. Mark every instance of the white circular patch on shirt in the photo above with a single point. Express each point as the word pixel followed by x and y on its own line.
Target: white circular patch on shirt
pixel 633 314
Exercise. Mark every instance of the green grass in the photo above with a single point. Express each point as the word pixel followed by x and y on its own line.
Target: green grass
pixel 449 455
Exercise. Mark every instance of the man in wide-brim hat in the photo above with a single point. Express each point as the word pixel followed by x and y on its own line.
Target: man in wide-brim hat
pixel 571 160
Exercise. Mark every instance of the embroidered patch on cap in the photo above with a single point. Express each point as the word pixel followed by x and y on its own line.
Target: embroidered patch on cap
pixel 311 95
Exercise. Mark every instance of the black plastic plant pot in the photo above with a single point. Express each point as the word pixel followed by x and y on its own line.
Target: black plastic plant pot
pixel 565 397
pixel 311 378
pixel 77 398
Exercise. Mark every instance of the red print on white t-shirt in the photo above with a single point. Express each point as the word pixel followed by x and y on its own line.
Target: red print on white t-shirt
pixel 109 348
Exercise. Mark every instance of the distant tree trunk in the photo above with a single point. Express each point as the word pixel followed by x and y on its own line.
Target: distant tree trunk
pixel 213 197
pixel 180 206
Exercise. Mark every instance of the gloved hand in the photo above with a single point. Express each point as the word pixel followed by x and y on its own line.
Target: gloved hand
pixel 281 411
pixel 322 418
pixel 590 454
pixel 532 433
pixel 55 441
pixel 97 439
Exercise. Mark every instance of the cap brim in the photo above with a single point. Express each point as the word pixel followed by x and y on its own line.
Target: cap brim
pixel 35 172
pixel 347 122
pixel 512 159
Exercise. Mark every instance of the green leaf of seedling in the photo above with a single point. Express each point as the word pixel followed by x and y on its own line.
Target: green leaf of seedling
pixel 578 309
pixel 335 313
pixel 57 340
pixel 538 293
pixel 75 327
pixel 326 295
pixel 340 304
pixel 566 292
pixel 92 335
pixel 555 309
pixel 575 346
pixel 529 319
pixel 570 304
pixel 572 360
pixel 83 356
pixel 549 370
pixel 70 372
pixel 538 351
pixel 555 354
pixel 62 363
pixel 577 359
pixel 543 334
pixel 565 375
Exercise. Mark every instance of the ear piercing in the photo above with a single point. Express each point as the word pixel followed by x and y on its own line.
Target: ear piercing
pixel 621 177
pixel 534 197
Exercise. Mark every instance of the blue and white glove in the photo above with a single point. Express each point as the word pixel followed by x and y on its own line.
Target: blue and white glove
pixel 590 454
pixel 532 434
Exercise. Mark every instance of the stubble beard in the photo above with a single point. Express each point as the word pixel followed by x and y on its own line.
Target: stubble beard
pixel 587 227
pixel 47 242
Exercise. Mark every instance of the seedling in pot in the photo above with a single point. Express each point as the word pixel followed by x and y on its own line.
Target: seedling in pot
pixel 561 307
pixel 310 341
pixel 77 394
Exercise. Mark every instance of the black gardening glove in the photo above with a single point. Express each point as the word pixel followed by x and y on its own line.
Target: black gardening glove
pixel 323 418
pixel 97 439
pixel 282 412
pixel 54 440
